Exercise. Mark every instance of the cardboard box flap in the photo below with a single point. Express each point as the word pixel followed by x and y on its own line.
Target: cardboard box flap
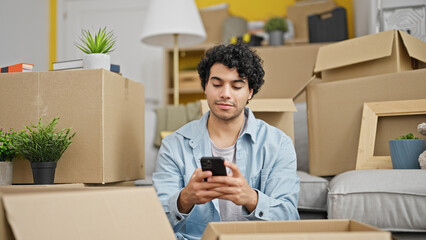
pixel 355 50
pixel 263 105
pixel 113 213
pixel 272 105
pixel 415 47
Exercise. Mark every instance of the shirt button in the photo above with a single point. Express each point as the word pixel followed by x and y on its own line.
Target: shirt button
pixel 178 218
pixel 261 214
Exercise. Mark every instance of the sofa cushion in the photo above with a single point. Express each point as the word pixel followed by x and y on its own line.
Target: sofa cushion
pixel 390 199
pixel 313 192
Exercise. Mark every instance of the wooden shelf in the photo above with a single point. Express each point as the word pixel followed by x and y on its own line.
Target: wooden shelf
pixel 189 83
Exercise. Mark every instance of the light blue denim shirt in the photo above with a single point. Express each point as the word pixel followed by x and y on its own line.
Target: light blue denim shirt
pixel 265 156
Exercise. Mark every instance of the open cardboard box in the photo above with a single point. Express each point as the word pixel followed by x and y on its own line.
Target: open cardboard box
pixel 335 114
pixel 288 69
pixel 276 112
pixel 86 213
pixel 303 229
pixel 5 231
pixel 386 52
pixel 105 110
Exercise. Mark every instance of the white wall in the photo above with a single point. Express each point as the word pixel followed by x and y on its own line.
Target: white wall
pixel 24 34
pixel 24 37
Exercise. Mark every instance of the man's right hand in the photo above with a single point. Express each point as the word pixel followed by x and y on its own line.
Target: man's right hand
pixel 197 191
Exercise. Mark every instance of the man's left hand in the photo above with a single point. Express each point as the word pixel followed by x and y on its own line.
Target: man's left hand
pixel 237 190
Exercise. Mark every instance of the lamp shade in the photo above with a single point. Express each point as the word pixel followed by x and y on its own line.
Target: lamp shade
pixel 168 17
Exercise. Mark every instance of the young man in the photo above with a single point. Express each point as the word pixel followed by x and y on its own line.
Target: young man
pixel 261 184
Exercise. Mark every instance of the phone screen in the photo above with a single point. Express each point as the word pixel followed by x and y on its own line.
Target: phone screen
pixel 214 164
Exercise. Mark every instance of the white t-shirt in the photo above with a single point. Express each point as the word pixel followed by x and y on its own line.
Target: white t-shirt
pixel 229 211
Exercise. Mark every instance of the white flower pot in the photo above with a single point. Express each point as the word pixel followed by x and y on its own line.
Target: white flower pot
pixel 6 173
pixel 96 61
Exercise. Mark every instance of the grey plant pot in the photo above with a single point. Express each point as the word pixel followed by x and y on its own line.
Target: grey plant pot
pixel 276 38
pixel 43 172
pixel 6 173
pixel 405 153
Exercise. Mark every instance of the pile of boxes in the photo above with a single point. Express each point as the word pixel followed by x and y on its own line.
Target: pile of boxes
pixel 379 67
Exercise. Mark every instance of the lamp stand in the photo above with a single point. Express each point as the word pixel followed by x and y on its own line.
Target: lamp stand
pixel 175 71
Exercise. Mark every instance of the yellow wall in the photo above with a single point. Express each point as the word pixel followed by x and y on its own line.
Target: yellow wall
pixel 261 10
pixel 52 34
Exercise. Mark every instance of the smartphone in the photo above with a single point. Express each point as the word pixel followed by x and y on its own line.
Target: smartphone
pixel 213 164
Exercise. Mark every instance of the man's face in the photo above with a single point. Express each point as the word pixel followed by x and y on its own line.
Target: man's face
pixel 227 93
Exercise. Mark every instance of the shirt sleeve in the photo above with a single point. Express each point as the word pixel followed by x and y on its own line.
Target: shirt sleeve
pixel 168 182
pixel 279 187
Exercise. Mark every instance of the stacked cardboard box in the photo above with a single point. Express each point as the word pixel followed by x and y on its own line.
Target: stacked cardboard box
pixel 354 72
pixel 105 110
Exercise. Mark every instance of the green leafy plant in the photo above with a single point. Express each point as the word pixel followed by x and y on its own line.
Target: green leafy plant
pixel 40 143
pixel 98 42
pixel 276 23
pixel 7 152
pixel 408 136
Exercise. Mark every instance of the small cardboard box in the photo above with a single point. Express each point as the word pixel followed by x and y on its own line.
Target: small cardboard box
pixel 289 230
pixel 87 213
pixel 334 112
pixel 288 70
pixel 213 20
pixel 105 110
pixel 277 112
pixel 386 52
pixel 298 14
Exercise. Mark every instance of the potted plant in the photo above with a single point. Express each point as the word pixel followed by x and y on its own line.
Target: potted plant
pixel 405 151
pixel 276 27
pixel 7 154
pixel 97 46
pixel 43 147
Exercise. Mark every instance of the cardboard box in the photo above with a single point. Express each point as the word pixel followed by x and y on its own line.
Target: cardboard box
pixel 87 213
pixel 334 112
pixel 276 112
pixel 105 109
pixel 386 52
pixel 5 231
pixel 298 14
pixel 289 230
pixel 288 69
pixel 213 20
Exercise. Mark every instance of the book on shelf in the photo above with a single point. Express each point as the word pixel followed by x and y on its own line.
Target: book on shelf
pixel 78 64
pixel 65 65
pixel 115 68
pixel 20 67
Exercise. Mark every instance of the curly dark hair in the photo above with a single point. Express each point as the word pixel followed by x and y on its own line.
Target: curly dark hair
pixel 239 56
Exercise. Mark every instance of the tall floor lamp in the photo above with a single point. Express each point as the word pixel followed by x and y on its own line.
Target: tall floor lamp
pixel 173 23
